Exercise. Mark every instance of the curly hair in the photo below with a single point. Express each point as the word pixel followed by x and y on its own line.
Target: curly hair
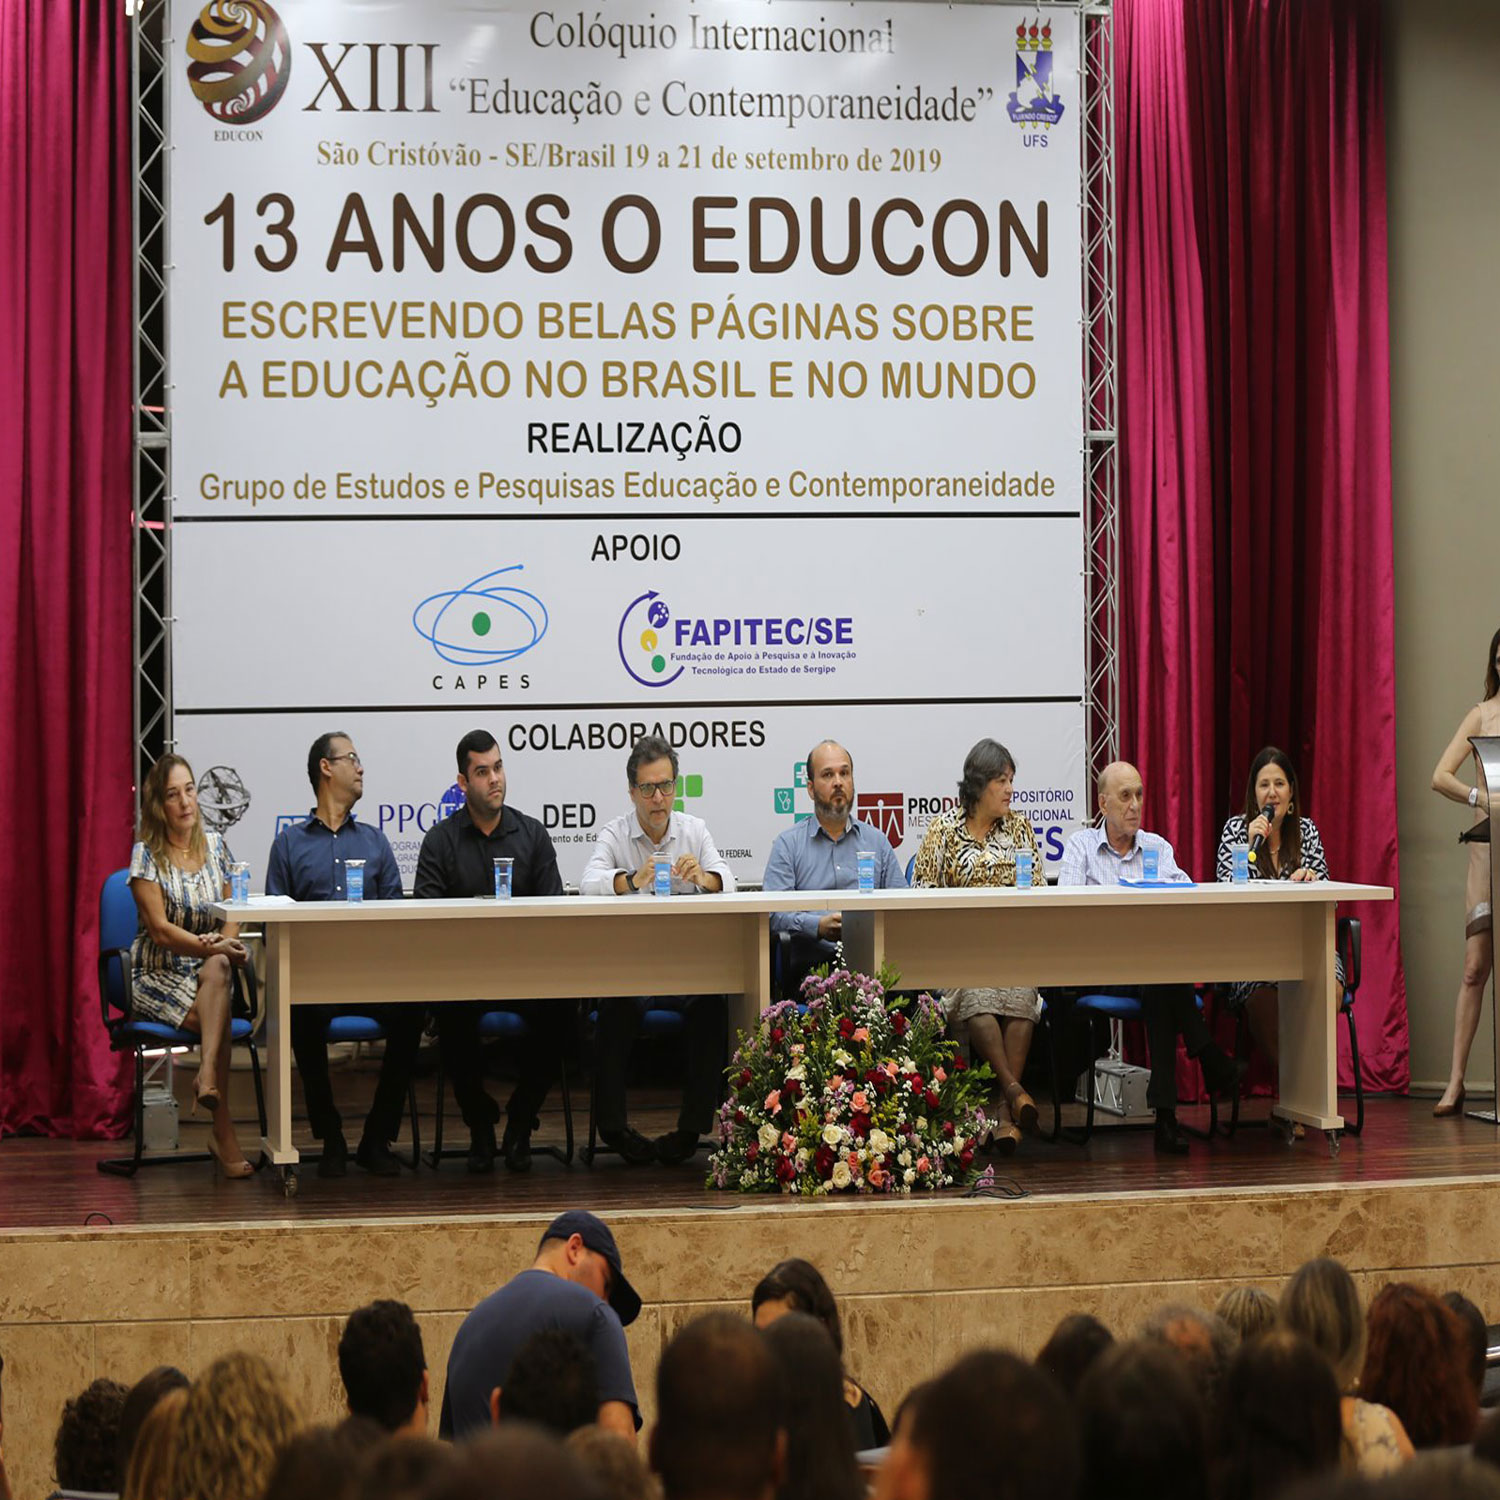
pixel 1416 1365
pixel 237 1419
pixel 86 1453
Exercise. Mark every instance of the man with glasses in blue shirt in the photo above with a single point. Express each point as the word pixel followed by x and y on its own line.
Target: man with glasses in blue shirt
pixel 308 863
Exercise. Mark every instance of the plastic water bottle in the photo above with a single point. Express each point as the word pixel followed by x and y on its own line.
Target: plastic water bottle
pixel 505 868
pixel 1150 864
pixel 865 860
pixel 354 880
pixel 1024 867
pixel 661 874
pixel 1240 856
pixel 239 881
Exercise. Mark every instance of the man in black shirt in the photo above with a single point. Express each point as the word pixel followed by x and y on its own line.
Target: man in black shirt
pixel 457 860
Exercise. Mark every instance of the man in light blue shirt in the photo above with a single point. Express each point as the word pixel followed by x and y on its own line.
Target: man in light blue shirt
pixel 1114 852
pixel 821 853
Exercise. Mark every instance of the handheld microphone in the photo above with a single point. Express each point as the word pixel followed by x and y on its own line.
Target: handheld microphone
pixel 1259 841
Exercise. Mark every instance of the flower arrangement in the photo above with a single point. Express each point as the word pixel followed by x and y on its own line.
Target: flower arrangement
pixel 846 1095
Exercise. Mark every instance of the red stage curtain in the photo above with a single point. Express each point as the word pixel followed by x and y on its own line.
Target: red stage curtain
pixel 1256 540
pixel 65 612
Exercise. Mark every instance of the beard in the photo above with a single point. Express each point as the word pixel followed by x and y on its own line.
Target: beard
pixel 833 812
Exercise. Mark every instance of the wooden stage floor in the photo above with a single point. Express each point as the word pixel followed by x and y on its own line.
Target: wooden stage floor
pixel 55 1184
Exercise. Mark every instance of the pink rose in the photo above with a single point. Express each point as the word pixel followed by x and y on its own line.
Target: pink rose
pixel 940 1075
pixel 859 1104
pixel 875 1176
pixel 923 1164
pixel 890 1069
pixel 861 1034
pixel 773 1100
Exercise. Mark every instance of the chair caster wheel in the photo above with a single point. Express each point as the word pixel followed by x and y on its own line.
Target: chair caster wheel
pixel 289 1182
pixel 1335 1142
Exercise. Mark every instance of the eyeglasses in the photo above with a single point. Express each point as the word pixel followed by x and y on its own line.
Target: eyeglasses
pixel 657 788
pixel 350 756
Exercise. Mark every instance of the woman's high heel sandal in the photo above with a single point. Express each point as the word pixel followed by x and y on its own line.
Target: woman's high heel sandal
pixel 205 1095
pixel 231 1169
pixel 1442 1111
pixel 1022 1107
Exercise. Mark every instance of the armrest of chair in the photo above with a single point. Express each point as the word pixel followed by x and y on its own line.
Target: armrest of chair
pixel 120 956
pixel 246 998
pixel 1349 944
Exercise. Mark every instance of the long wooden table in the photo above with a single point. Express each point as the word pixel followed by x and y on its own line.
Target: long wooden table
pixel 433 952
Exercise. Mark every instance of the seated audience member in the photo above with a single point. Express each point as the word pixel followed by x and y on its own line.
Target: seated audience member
pixel 403 1468
pixel 798 1286
pixel 307 863
pixel 457 859
pixel 576 1284
pixel 1416 1364
pixel 1429 1476
pixel 1202 1341
pixel 552 1382
pixel 237 1419
pixel 1321 1303
pixel 87 1449
pixel 1143 1426
pixel 975 844
pixel 614 1463
pixel 384 1367
pixel 1476 1338
pixel 1106 855
pixel 148 1475
pixel 1293 850
pixel 1246 1311
pixel 821 853
pixel 718 1433
pixel 515 1462
pixel 1278 1420
pixel 1071 1349
pixel 182 953
pixel 820 1463
pixel 141 1401
pixel 1487 1440
pixel 621 865
pixel 322 1463
pixel 991 1425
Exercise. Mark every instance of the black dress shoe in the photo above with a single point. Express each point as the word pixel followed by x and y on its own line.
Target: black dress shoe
pixel 515 1147
pixel 1169 1139
pixel 377 1158
pixel 335 1158
pixel 676 1147
pixel 630 1145
pixel 482 1149
pixel 1223 1074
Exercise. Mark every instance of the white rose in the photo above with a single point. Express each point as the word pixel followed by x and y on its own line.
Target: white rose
pixel 769 1137
pixel 904 1158
pixel 842 1058
pixel 803 1157
pixel 908 1177
pixel 798 1072
pixel 832 1135
pixel 921 1124
pixel 880 1142
pixel 841 1177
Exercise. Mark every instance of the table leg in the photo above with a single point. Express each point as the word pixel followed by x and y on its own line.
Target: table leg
pixel 755 966
pixel 277 1145
pixel 1308 1030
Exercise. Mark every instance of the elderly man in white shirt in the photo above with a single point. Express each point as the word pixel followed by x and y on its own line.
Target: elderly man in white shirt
pixel 623 863
pixel 1112 852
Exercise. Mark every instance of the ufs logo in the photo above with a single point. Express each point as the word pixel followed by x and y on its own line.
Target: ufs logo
pixel 1034 73
pixel 639 639
pixel 885 811
pixel 239 60
pixel 482 622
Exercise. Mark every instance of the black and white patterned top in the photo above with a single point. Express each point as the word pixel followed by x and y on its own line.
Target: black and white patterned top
pixel 1235 832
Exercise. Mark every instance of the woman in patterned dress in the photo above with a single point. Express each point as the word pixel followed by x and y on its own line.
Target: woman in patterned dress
pixel 181 956
pixel 1293 850
pixel 975 844
pixel 1483 718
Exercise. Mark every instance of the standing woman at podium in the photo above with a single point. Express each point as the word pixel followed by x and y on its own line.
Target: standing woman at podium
pixel 1483 718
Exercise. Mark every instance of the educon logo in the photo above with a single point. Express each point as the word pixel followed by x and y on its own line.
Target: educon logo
pixel 239 60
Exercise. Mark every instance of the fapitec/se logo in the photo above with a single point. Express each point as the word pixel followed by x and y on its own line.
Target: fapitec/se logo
pixel 239 60
pixel 639 639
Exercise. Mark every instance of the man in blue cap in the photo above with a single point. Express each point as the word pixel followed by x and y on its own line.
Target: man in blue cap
pixel 576 1284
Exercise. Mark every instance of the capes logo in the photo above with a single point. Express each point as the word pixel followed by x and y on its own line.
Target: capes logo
pixel 239 60
pixel 458 623
pixel 1034 71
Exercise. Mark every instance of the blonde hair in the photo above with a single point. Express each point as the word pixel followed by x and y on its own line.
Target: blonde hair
pixel 237 1419
pixel 1322 1303
pixel 150 1467
pixel 1247 1310
pixel 153 826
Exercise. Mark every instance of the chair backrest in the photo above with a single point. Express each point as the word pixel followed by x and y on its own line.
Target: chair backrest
pixel 911 866
pixel 118 920
pixel 1350 945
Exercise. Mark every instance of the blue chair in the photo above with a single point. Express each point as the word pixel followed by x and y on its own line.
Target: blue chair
pixel 118 920
pixel 504 1026
pixel 368 1029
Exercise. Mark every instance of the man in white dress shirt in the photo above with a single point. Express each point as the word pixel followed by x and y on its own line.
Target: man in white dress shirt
pixel 623 864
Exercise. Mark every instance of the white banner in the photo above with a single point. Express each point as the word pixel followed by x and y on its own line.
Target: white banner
pixel 654 362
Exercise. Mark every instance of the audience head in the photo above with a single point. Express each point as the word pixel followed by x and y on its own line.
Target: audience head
pixel 141 1402
pixel 1143 1426
pixel 991 1425
pixel 1452 1476
pixel 1477 1336
pixel 322 1463
pixel 87 1450
pixel 1321 1303
pixel 552 1381
pixel 988 761
pixel 615 1466
pixel 403 1468
pixel 384 1367
pixel 1279 1418
pixel 1072 1348
pixel 1202 1341
pixel 1416 1364
pixel 169 795
pixel 237 1419
pixel 1246 1311
pixel 578 1246
pixel 148 1475
pixel 514 1462
pixel 796 1286
pixel 820 1462
pixel 718 1413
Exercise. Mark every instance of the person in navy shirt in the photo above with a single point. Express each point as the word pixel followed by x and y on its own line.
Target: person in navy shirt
pixel 308 863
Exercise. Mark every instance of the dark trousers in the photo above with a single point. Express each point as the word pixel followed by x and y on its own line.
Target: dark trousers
pixel 1170 1011
pixel 706 1027
pixel 538 1058
pixel 403 1036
